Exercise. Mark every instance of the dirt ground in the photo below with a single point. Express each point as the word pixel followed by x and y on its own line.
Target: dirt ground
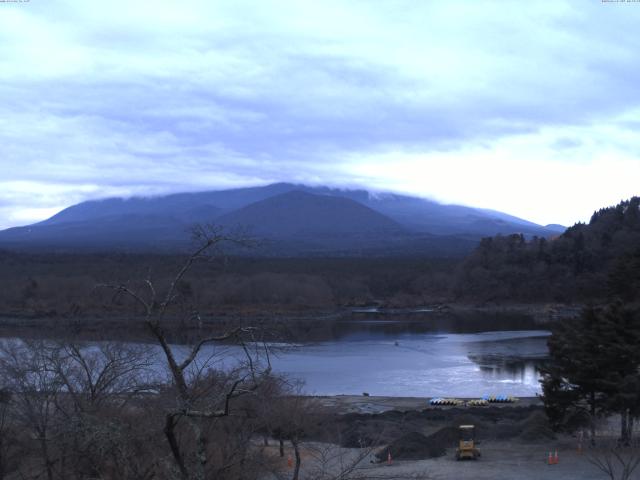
pixel 500 460
pixel 514 441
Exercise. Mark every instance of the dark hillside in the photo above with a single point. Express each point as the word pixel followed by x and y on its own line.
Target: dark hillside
pixel 304 214
pixel 304 220
pixel 572 267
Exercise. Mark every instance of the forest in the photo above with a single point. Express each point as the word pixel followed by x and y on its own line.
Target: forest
pixel 575 267
pixel 67 411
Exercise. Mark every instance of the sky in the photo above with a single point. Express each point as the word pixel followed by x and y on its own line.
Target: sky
pixel 530 108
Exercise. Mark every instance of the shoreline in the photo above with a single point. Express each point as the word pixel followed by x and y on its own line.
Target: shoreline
pixel 541 312
pixel 345 404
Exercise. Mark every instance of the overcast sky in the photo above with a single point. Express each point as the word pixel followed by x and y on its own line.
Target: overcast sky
pixel 531 108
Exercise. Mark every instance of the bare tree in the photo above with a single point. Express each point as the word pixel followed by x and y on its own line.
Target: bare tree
pixel 96 374
pixel 616 461
pixel 101 387
pixel 191 405
pixel 617 458
pixel 34 393
pixel 72 400
pixel 289 417
pixel 9 442
pixel 304 423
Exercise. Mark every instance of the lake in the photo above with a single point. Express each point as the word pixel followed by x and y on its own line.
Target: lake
pixel 418 354
pixel 465 365
pixel 399 358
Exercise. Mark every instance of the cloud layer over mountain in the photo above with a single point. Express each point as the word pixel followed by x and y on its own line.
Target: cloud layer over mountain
pixel 529 108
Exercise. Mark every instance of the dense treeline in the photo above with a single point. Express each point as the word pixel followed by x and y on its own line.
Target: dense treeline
pixel 573 267
pixel 594 367
pixel 63 285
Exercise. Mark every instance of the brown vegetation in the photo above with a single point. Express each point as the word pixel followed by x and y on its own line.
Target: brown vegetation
pixel 63 285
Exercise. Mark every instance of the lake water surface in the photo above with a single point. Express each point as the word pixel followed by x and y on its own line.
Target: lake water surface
pixel 424 356
pixel 445 364
pixel 394 358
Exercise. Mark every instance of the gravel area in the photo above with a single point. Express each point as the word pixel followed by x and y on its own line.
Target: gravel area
pixel 500 460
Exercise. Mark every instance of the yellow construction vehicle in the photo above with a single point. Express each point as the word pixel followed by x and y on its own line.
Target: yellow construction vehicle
pixel 467 444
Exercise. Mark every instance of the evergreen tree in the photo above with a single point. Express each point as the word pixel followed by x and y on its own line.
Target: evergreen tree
pixel 622 383
pixel 595 367
pixel 568 268
pixel 573 379
pixel 624 278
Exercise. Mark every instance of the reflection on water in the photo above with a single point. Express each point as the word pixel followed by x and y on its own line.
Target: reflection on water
pixel 414 363
pixel 514 360
pixel 525 373
pixel 419 321
pixel 424 354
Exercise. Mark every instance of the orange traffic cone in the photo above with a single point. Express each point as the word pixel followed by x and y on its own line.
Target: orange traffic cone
pixel 550 459
pixel 556 460
pixel 389 461
pixel 290 461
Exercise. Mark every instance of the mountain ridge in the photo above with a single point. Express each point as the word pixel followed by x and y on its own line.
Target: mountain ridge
pixel 345 220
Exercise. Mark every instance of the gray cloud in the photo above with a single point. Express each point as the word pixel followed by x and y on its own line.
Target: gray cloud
pixel 566 142
pixel 135 99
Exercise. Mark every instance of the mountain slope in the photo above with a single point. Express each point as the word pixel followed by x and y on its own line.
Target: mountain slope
pixel 416 214
pixel 298 213
pixel 172 205
pixel 427 216
pixel 299 222
pixel 116 232
pixel 301 219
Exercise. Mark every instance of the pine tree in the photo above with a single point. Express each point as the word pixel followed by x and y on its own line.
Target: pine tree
pixel 595 367
pixel 623 379
pixel 624 278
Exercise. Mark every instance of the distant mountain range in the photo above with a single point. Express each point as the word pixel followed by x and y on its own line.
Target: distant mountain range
pixel 290 219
